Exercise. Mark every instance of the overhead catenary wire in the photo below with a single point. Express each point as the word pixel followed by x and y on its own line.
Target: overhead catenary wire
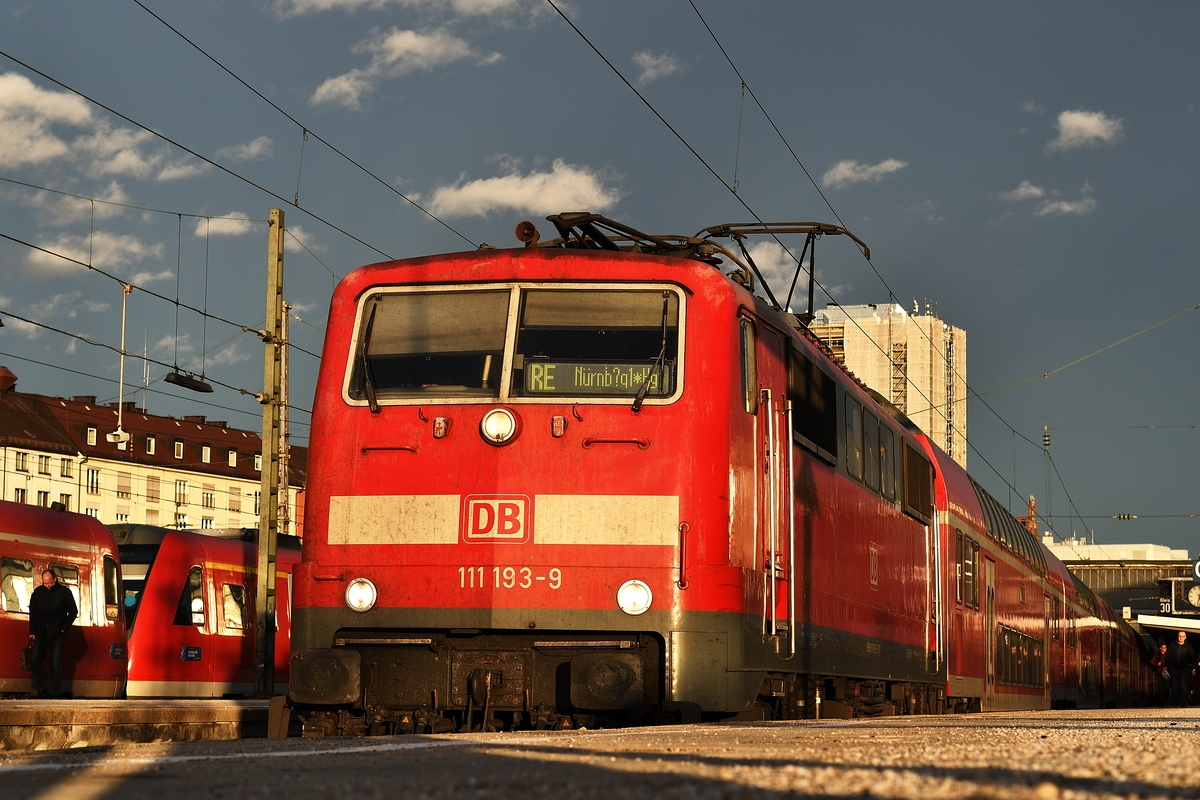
pixel 195 154
pixel 306 132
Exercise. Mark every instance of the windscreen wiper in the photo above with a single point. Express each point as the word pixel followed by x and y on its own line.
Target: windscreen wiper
pixel 658 362
pixel 364 365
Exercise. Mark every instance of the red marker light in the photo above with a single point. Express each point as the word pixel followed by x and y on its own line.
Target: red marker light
pixel 558 426
pixel 441 426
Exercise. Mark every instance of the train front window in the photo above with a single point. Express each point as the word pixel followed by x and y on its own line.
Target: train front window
pixel 421 344
pixel 16 584
pixel 596 343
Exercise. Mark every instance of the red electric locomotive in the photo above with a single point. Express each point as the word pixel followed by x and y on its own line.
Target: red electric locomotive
pixel 189 598
pixel 81 553
pixel 598 481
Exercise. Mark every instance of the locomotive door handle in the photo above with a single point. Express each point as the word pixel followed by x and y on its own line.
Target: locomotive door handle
pixel 642 444
pixel 682 581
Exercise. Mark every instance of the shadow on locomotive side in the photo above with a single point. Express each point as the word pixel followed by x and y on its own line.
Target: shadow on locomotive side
pixel 598 481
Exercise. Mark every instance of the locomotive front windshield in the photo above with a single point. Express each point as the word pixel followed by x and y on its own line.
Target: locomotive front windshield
pixel 556 342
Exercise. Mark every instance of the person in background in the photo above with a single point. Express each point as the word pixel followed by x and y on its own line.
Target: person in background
pixel 1181 663
pixel 1158 663
pixel 51 611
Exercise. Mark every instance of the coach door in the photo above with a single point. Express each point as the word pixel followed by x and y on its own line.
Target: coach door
pixel 989 634
pixel 775 529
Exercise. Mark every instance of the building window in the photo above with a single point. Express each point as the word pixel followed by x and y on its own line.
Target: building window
pixel 208 496
pixel 206 523
pixel 43 465
pixel 232 458
pixel 181 493
pixel 124 485
pixel 257 502
pixel 92 512
pixel 21 461
pixel 44 499
pixel 93 481
pixel 152 489
pixel 235 499
pixel 258 462
pixel 206 454
pixel 181 521
pixel 179 450
pixel 150 445
pixel 91 437
pixel 65 499
pixel 18 495
pixel 152 516
pixel 66 468
pixel 122 515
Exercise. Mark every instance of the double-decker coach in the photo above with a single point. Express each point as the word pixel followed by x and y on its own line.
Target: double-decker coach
pixel 599 481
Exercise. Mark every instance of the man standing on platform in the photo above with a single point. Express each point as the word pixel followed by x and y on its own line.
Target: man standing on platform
pixel 51 611
pixel 1181 662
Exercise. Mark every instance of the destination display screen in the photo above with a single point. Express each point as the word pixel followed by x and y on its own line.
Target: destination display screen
pixel 578 378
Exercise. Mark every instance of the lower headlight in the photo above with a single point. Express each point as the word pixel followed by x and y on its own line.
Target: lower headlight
pixel 361 595
pixel 634 598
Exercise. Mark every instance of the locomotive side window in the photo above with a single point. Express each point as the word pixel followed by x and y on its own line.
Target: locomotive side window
pixel 596 343
pixel 970 589
pixel 749 343
pixel 190 610
pixel 887 462
pixel 233 604
pixel 871 451
pixel 958 566
pixel 854 438
pixel 16 584
pixel 416 344
pixel 918 484
pixel 814 406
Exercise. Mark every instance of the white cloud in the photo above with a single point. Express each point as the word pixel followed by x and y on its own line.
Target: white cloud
pixel 463 8
pixel 654 67
pixel 1057 208
pixel 168 344
pixel 255 150
pixel 110 252
pixel 27 113
pixel 63 304
pixel 566 187
pixel 142 278
pixel 230 355
pixel 117 151
pixel 235 223
pixel 394 53
pixel 56 209
pixel 1026 191
pixel 847 172
pixel 96 308
pixel 1032 107
pixel 1085 129
pixel 779 268
pixel 179 170
pixel 305 238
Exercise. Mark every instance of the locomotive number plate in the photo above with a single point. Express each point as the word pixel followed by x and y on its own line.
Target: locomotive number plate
pixel 508 578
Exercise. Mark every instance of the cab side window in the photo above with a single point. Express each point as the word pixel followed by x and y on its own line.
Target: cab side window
pixel 854 438
pixel 16 584
pixel 749 344
pixel 233 606
pixel 191 602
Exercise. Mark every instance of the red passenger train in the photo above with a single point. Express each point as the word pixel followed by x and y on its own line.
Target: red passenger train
pixel 81 553
pixel 598 481
pixel 189 598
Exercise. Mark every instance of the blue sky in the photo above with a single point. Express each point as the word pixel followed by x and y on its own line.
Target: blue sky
pixel 1029 168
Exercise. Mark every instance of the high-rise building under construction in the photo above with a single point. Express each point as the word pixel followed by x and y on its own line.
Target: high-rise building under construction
pixel 915 360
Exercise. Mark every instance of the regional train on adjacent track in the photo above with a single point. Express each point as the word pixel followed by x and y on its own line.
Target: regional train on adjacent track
pixel 598 481
pixel 189 605
pixel 83 556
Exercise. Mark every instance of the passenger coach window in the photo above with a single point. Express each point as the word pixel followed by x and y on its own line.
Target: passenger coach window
pixel 958 566
pixel 749 340
pixel 16 584
pixel 970 587
pixel 918 484
pixel 233 603
pixel 814 405
pixel 191 602
pixel 854 438
pixel 112 589
pixel 415 344
pixel 596 343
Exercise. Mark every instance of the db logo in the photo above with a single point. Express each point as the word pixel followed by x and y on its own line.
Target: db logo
pixel 496 518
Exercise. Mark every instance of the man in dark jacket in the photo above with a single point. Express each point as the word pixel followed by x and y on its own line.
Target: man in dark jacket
pixel 51 611
pixel 1181 662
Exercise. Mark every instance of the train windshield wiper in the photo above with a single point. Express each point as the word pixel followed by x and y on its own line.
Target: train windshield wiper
pixel 364 365
pixel 658 362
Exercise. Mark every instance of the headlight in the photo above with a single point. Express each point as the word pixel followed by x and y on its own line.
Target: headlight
pixel 634 597
pixel 361 595
pixel 498 426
